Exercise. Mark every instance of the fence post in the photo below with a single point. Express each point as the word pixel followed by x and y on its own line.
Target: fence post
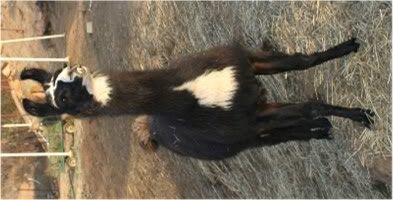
pixel 15 125
pixel 66 59
pixel 36 154
pixel 32 38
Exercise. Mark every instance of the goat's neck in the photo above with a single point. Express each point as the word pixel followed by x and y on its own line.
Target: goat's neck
pixel 141 92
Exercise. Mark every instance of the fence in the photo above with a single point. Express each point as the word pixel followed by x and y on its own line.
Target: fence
pixel 6 86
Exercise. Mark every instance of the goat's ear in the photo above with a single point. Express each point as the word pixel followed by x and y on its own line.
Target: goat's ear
pixel 36 74
pixel 40 109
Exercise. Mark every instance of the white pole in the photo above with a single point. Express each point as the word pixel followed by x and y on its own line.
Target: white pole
pixel 15 125
pixel 32 38
pixel 66 59
pixel 35 154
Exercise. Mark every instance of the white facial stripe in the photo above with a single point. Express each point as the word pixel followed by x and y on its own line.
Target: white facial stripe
pixel 213 88
pixel 51 92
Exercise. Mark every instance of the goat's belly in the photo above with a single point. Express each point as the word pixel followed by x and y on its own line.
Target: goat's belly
pixel 190 141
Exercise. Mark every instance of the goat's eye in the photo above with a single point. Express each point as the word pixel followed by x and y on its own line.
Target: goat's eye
pixel 64 99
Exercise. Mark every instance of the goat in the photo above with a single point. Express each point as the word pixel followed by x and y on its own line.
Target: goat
pixel 203 105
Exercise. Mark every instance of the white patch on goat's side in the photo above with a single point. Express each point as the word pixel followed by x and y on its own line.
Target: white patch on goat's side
pixel 213 88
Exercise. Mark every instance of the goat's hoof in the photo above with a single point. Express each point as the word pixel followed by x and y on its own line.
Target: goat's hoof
pixel 322 133
pixel 350 45
pixel 322 129
pixel 364 116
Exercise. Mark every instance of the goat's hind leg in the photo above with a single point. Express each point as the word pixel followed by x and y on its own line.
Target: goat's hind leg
pixel 274 62
pixel 279 123
pixel 277 115
pixel 297 130
pixel 303 131
pixel 316 109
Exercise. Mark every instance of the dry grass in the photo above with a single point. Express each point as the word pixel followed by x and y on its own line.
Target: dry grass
pixel 319 169
pixel 140 35
pixel 360 80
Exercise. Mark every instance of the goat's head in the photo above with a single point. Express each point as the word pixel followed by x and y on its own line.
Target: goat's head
pixel 71 90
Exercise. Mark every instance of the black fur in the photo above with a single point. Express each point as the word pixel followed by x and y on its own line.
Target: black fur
pixel 39 75
pixel 181 124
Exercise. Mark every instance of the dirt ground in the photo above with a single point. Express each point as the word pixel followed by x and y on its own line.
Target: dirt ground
pixel 22 178
pixel 142 35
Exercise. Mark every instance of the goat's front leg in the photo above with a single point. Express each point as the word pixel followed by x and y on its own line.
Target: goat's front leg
pixel 36 74
pixel 272 63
